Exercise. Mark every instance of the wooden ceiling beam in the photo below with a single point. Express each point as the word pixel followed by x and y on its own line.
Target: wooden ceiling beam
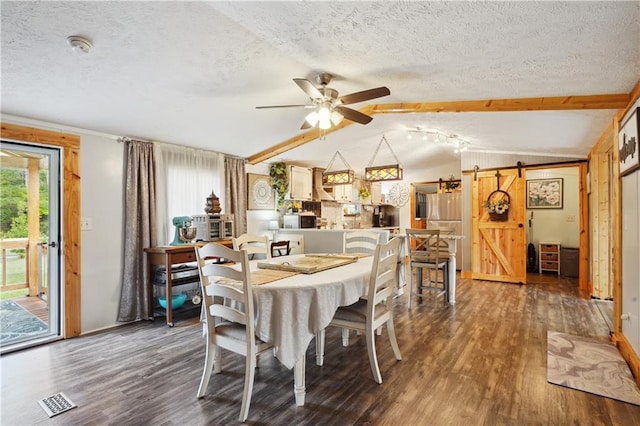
pixel 556 103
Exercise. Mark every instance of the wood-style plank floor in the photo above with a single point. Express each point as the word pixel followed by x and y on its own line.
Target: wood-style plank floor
pixel 480 362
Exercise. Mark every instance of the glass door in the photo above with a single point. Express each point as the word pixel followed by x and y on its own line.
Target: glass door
pixel 30 241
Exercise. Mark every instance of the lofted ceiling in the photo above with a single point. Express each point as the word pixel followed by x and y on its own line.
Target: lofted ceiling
pixel 192 73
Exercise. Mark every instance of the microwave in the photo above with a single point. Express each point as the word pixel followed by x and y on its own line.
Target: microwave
pixel 297 221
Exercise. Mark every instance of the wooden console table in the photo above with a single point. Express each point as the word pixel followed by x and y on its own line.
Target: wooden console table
pixel 168 256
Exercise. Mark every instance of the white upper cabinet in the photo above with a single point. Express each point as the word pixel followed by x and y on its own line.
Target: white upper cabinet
pixel 376 193
pixel 343 193
pixel 300 183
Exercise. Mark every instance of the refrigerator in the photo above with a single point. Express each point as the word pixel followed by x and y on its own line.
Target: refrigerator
pixel 445 211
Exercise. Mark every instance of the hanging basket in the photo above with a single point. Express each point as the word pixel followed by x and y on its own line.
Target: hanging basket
pixel 498 199
pixel 499 217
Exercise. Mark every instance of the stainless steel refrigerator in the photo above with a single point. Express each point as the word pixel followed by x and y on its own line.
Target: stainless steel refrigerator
pixel 445 211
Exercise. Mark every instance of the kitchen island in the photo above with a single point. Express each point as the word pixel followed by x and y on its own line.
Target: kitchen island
pixel 330 240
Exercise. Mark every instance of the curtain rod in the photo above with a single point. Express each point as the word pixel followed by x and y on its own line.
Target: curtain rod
pixel 123 139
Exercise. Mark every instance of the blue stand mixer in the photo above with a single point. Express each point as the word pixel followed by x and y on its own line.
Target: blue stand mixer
pixel 185 233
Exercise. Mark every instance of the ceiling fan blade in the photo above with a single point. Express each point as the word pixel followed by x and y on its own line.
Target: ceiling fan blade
pixel 308 88
pixel 353 115
pixel 285 106
pixel 365 95
pixel 305 125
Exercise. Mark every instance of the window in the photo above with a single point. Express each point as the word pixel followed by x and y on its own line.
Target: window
pixel 184 179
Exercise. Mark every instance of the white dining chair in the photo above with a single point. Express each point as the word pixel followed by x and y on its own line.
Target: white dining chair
pixel 367 315
pixel 225 290
pixel 360 242
pixel 253 244
pixel 364 242
pixel 427 252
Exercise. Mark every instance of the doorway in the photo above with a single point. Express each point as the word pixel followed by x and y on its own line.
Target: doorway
pixel 30 234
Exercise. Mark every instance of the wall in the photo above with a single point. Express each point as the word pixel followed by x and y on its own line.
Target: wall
pixel 258 220
pixel 102 164
pixel 558 225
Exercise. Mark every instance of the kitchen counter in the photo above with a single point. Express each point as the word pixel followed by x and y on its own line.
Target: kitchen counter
pixel 329 240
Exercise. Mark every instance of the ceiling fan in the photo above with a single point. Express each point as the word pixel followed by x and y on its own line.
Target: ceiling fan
pixel 327 107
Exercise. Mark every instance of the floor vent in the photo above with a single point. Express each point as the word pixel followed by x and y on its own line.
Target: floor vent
pixel 56 404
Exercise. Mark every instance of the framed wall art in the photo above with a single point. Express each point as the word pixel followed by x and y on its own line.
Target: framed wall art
pixel 259 193
pixel 544 193
pixel 628 155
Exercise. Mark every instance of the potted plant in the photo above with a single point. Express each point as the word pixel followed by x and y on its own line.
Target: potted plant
pixel 279 180
pixel 451 184
pixel 364 193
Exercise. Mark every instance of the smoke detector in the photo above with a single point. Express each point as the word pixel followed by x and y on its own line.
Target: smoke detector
pixel 79 44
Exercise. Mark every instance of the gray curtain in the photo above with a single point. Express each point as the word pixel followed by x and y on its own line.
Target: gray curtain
pixel 140 230
pixel 235 184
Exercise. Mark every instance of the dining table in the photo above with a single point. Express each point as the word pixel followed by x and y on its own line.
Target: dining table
pixel 452 241
pixel 291 311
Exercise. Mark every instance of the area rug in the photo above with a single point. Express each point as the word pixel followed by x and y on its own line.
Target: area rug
pixel 590 365
pixel 16 323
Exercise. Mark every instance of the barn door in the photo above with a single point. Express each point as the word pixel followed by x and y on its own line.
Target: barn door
pixel 499 241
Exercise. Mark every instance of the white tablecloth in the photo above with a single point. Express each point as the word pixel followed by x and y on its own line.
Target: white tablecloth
pixel 291 310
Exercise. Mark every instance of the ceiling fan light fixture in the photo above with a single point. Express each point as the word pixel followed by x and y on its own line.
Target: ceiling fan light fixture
pixel 324 117
pixel 336 117
pixel 312 118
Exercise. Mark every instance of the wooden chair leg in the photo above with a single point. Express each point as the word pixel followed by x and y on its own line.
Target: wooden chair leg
pixel 209 360
pixel 392 339
pixel 249 372
pixel 217 359
pixel 371 349
pixel 410 295
pixel 345 337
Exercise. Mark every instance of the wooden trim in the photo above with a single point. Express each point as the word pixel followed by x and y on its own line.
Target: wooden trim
pixel 583 262
pixel 33 222
pixel 558 103
pixel 618 337
pixel 627 352
pixel 70 214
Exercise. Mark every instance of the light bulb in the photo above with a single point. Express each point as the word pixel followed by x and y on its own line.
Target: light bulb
pixel 312 118
pixel 336 118
pixel 324 118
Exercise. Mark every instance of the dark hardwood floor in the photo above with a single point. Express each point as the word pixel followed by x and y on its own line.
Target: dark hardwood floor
pixel 481 362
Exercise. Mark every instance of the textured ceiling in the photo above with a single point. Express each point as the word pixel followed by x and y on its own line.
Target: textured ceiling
pixel 192 73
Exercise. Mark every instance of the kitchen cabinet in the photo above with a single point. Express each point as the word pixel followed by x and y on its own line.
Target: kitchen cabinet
pixel 549 257
pixel 376 193
pixel 343 193
pixel 300 183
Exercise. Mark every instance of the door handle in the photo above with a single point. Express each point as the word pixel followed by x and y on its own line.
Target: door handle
pixel 53 244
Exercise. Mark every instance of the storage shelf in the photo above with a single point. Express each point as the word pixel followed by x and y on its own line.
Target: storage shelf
pixel 549 257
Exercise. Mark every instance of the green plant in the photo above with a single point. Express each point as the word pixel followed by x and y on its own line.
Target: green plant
pixel 451 184
pixel 279 180
pixel 364 192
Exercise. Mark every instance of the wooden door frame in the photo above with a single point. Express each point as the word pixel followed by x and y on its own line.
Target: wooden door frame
pixel 584 283
pixel 70 214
